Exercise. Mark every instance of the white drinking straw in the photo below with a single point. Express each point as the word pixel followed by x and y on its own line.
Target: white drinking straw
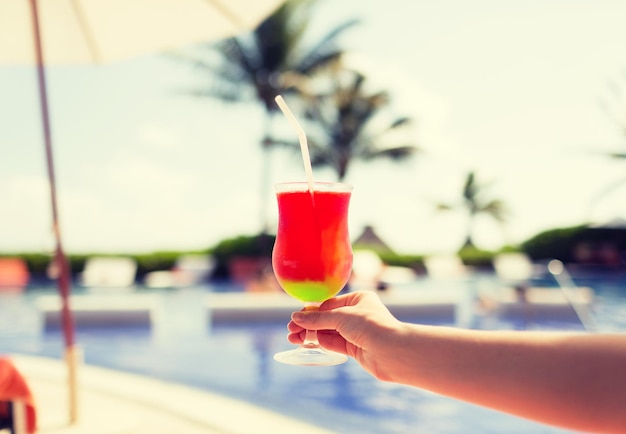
pixel 304 147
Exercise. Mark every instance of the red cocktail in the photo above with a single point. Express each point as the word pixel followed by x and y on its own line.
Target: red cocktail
pixel 312 256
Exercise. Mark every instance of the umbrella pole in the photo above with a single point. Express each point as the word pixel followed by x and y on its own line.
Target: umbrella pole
pixel 63 281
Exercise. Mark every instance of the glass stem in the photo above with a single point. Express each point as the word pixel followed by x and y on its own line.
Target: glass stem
pixel 310 340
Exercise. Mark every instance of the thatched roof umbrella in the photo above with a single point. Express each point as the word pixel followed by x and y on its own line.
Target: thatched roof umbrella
pixel 371 241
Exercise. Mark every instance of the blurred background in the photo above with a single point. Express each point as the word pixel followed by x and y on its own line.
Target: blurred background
pixel 471 131
pixel 519 105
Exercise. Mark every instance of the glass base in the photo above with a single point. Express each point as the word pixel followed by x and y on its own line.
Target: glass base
pixel 310 356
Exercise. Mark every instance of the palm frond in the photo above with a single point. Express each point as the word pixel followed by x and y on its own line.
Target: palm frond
pixel 325 48
pixel 393 153
pixel 400 122
pixel 444 207
pixel 224 93
pixel 313 63
pixel 299 14
pixel 470 188
pixel 496 209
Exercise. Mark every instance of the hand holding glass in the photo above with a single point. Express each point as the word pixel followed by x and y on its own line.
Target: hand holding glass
pixel 312 256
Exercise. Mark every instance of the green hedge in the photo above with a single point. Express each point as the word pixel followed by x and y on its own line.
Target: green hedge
pixel 562 243
pixel 249 246
pixel 37 263
pixel 555 243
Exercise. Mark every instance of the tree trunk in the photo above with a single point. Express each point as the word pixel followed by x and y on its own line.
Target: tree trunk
pixel 266 166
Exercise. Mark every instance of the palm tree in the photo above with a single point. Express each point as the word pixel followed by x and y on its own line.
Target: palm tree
pixel 616 110
pixel 474 203
pixel 255 67
pixel 345 122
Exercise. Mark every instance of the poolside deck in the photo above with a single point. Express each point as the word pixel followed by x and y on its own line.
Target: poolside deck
pixel 454 303
pixel 112 402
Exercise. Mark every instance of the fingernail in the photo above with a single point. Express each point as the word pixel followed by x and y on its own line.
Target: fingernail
pixel 298 316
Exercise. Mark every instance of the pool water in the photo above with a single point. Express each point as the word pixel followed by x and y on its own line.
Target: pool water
pixel 236 360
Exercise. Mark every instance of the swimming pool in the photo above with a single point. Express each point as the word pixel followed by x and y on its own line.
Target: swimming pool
pixel 236 360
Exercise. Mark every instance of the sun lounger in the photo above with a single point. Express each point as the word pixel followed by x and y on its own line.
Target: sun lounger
pixel 445 266
pixel 188 270
pixel 438 305
pixel 517 299
pixel 514 267
pixel 109 273
pixel 543 304
pixel 250 307
pixel 109 310
pixel 369 272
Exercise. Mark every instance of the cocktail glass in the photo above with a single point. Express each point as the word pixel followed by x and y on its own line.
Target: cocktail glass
pixel 312 256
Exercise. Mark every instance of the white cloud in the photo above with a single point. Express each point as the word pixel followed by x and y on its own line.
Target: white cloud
pixel 158 136
pixel 148 182
pixel 26 217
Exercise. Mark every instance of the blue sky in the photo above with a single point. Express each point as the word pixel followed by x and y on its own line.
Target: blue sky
pixel 510 89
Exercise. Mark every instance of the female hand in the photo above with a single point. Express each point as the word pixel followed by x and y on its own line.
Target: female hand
pixel 356 324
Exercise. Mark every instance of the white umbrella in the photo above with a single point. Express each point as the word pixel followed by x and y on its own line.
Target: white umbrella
pixel 48 32
pixel 94 31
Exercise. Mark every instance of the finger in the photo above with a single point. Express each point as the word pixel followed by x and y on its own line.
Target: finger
pixel 293 327
pixel 349 299
pixel 330 340
pixel 296 338
pixel 339 301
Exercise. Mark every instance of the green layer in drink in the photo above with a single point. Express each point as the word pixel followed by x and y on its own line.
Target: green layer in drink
pixel 309 291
